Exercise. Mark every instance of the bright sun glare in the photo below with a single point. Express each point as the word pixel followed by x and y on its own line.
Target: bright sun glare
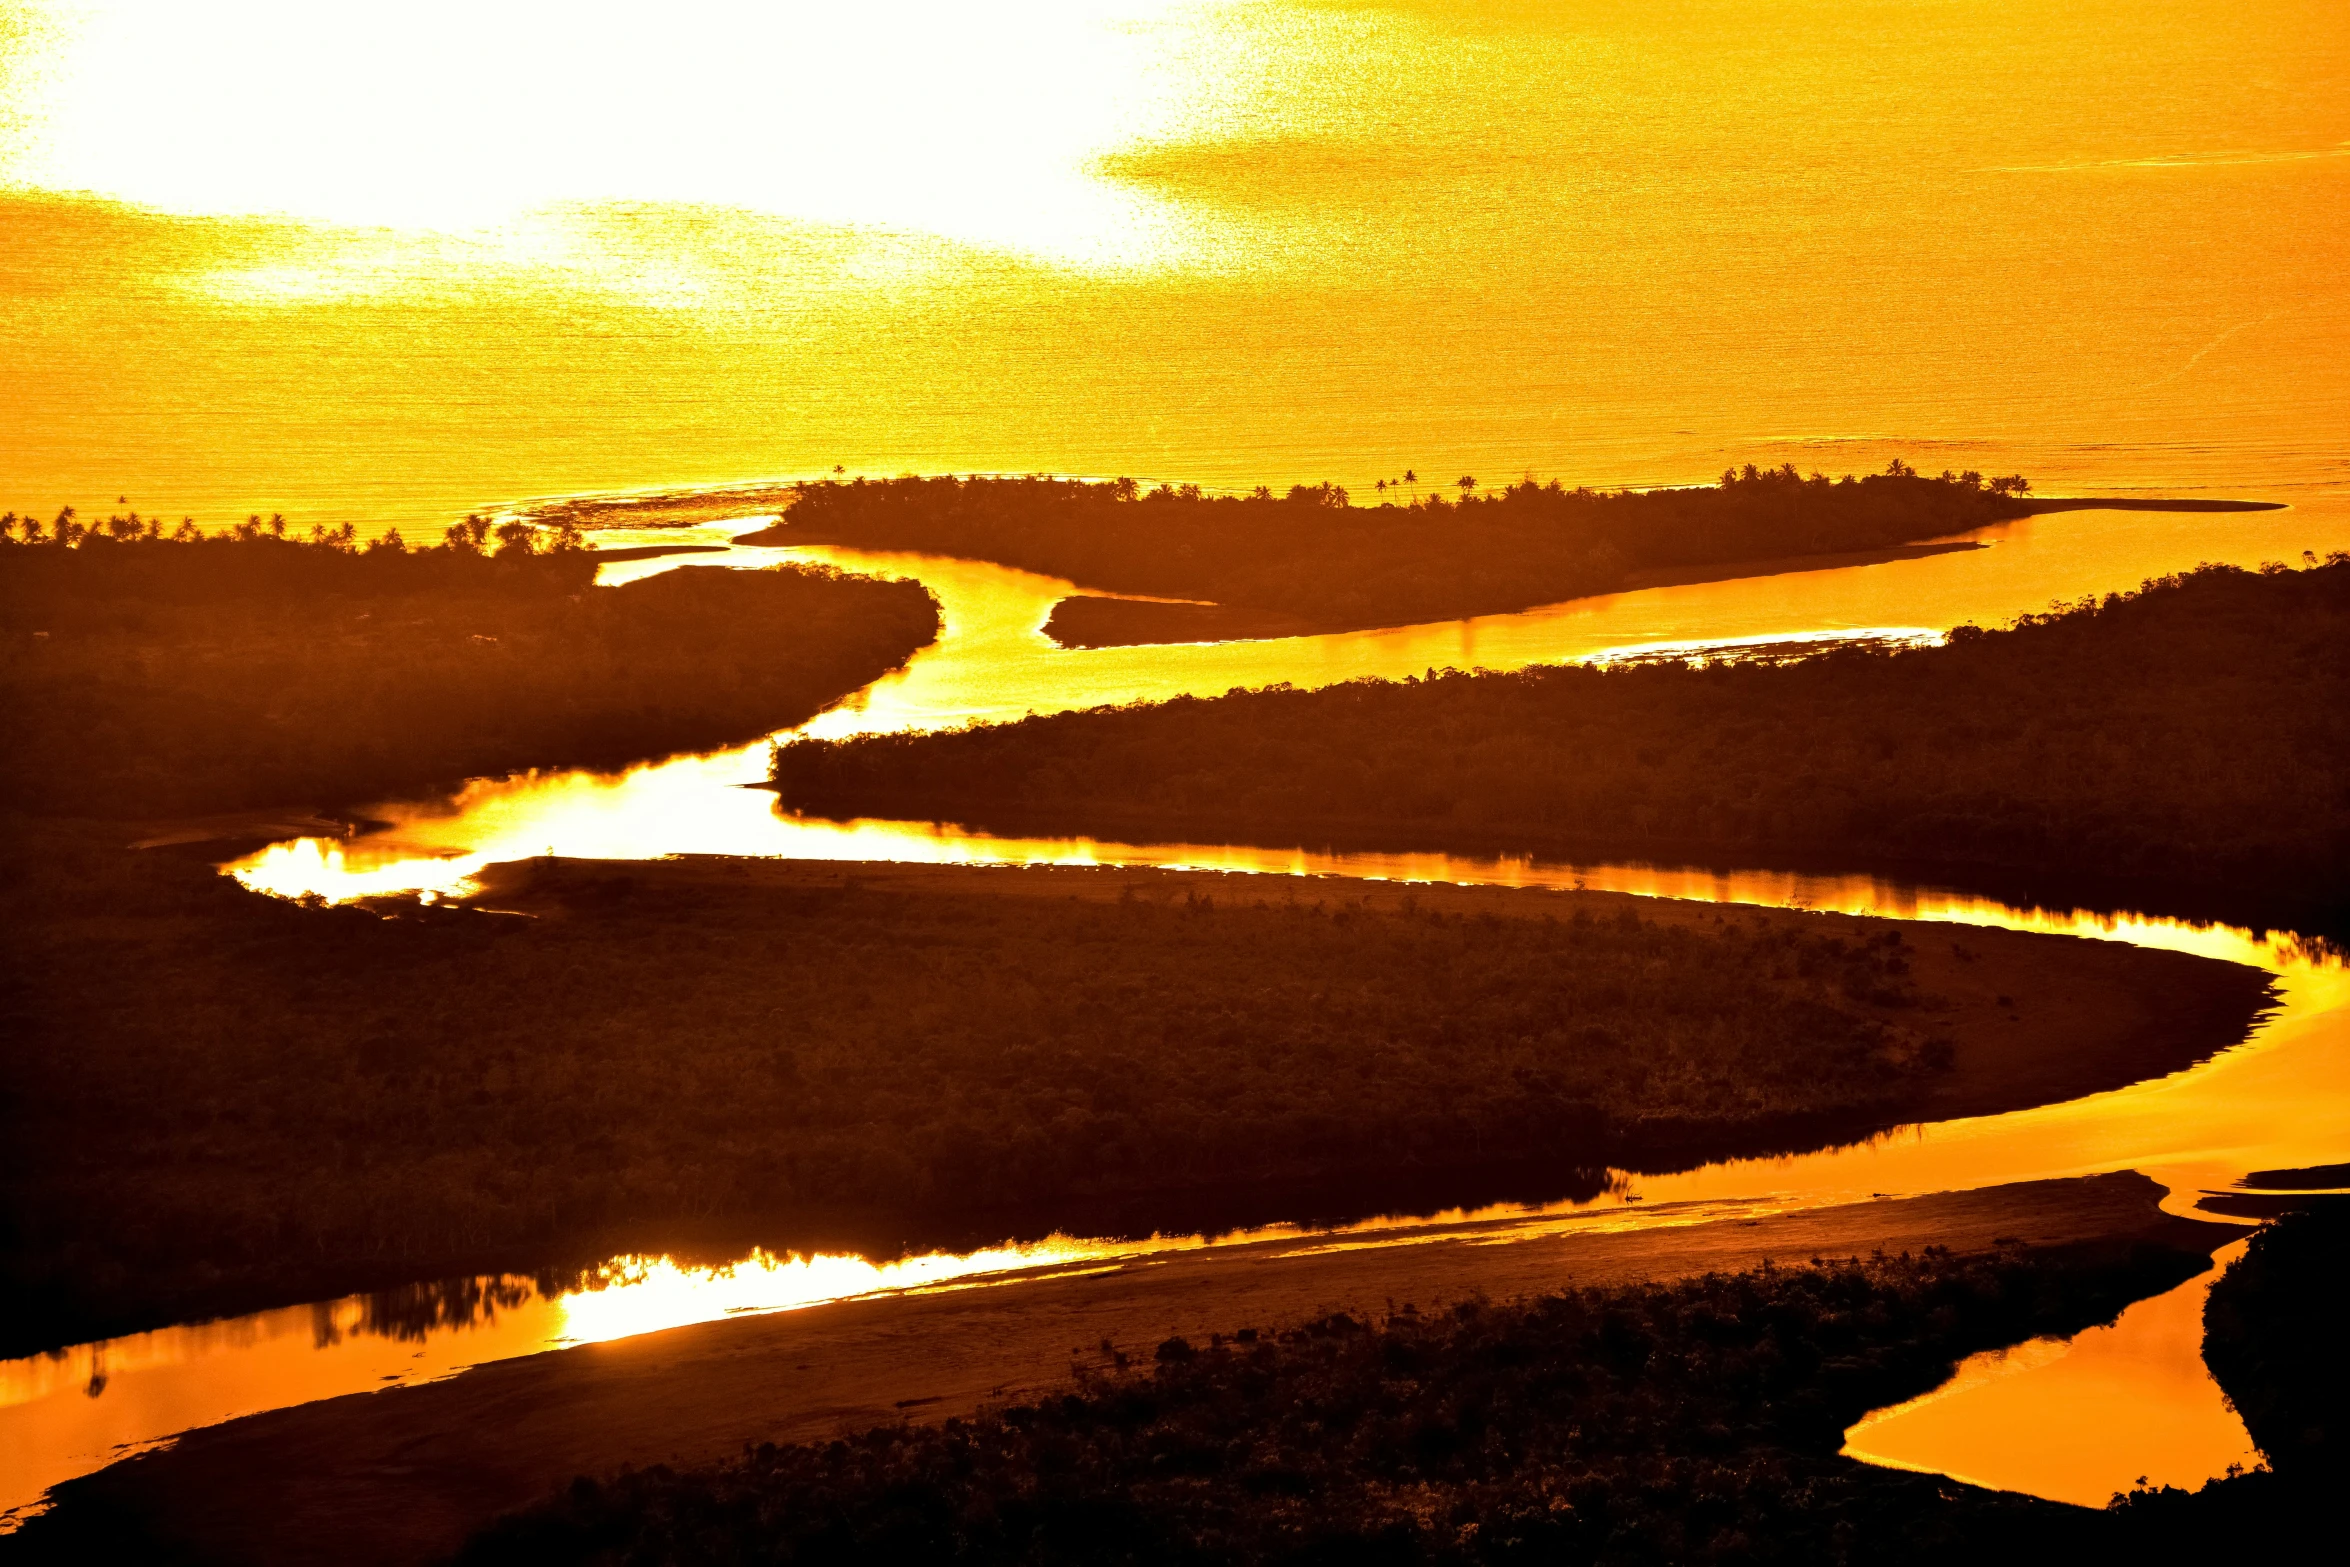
pixel 978 124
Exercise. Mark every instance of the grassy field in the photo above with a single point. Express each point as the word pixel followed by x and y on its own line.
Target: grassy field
pixel 292 1103
pixel 2186 746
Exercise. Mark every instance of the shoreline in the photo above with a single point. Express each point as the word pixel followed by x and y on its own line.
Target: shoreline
pixel 1089 620
pixel 2078 1042
pixel 2005 881
pixel 2147 503
pixel 653 551
pixel 2031 1019
pixel 1110 619
pixel 402 1476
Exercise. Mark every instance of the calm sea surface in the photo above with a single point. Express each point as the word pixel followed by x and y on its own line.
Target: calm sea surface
pixel 387 263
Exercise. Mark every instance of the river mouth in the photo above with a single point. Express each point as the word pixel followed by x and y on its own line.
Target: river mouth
pixel 2280 1100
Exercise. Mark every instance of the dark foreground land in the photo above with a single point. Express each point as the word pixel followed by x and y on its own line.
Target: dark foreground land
pixel 293 1103
pixel 1676 1394
pixel 2186 746
pixel 148 678
pixel 2273 1338
pixel 1312 562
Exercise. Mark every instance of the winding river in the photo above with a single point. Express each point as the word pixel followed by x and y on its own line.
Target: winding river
pixel 2075 1421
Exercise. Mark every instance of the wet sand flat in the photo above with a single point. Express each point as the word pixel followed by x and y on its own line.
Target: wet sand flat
pixel 403 1476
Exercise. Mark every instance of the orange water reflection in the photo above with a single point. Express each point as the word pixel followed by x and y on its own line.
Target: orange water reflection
pixel 67 1413
pixel 2040 1417
pixel 2281 1100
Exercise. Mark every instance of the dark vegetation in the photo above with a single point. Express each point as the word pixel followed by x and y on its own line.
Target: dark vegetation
pixel 1689 1422
pixel 1312 561
pixel 2189 743
pixel 2273 1337
pixel 291 1103
pixel 151 675
pixel 2309 1178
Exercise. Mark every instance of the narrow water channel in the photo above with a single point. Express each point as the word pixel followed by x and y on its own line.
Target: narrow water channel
pixel 992 662
pixel 2038 1416
pixel 2281 1099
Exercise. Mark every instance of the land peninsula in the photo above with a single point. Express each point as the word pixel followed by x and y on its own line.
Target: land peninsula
pixel 696 1056
pixel 1173 563
pixel 154 676
pixel 2183 746
pixel 1671 1393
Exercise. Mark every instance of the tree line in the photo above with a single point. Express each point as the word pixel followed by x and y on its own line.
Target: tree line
pixel 474 534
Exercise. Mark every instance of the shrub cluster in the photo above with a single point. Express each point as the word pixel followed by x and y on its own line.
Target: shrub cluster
pixel 1689 1422
pixel 2196 732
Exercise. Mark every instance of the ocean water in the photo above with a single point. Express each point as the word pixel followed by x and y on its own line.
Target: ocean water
pixel 388 263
